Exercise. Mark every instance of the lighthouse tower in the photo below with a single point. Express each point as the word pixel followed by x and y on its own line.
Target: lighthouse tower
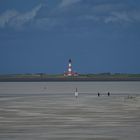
pixel 70 71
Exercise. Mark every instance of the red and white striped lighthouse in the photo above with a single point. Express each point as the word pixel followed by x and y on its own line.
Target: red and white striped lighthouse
pixel 70 71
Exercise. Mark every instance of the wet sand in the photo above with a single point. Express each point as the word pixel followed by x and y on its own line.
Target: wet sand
pixel 63 117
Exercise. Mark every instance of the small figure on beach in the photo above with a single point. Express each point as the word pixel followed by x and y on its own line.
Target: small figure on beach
pixel 108 93
pixel 131 97
pixel 76 93
pixel 98 94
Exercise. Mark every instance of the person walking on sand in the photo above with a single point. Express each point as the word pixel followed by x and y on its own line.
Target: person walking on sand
pixel 108 93
pixel 76 93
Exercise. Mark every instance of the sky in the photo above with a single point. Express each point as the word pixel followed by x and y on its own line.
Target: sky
pixel 40 36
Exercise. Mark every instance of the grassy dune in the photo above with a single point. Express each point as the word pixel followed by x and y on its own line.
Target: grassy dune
pixel 81 77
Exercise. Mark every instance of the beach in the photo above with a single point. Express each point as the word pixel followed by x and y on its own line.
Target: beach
pixel 46 110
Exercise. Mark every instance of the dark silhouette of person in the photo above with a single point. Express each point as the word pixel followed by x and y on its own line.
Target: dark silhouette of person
pixel 108 93
pixel 98 94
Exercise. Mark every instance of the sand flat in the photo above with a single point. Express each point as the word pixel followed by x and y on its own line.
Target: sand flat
pixel 47 116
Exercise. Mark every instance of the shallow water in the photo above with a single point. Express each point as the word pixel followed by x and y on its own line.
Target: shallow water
pixel 49 111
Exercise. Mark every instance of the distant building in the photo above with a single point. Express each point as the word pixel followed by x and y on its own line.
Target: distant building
pixel 70 72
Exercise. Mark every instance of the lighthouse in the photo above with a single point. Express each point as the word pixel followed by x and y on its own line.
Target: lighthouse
pixel 70 71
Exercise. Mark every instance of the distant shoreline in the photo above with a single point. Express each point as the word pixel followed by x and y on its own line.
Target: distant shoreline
pixel 42 77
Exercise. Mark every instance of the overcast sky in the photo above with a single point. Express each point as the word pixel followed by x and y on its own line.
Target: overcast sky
pixel 41 35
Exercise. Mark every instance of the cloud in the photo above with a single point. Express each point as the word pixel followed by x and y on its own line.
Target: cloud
pixel 123 17
pixel 6 17
pixel 118 17
pixel 66 3
pixel 86 14
pixel 79 16
pixel 13 18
